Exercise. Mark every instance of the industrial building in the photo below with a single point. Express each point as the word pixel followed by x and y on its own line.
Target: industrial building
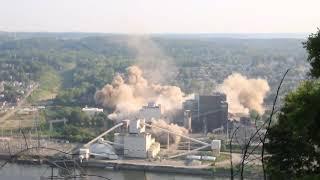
pixel 206 112
pixel 137 143
pixel 131 142
pixel 91 111
pixel 151 111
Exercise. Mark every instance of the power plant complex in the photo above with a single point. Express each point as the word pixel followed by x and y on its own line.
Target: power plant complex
pixel 133 136
pixel 153 122
pixel 206 112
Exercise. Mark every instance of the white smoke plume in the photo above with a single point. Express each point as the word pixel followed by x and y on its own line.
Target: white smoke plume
pixel 157 65
pixel 129 92
pixel 162 136
pixel 244 94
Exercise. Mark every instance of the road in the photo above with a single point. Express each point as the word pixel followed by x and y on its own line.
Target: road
pixel 236 159
pixel 20 103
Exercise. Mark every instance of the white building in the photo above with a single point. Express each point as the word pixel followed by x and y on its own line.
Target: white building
pixel 137 146
pixel 216 146
pixel 91 111
pixel 137 143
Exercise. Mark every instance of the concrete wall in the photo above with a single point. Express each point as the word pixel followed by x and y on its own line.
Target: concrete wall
pixel 119 139
pixel 135 146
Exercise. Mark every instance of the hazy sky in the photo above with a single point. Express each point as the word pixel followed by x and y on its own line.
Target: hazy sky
pixel 161 16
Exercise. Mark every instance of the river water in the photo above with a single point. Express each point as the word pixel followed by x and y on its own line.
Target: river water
pixel 33 172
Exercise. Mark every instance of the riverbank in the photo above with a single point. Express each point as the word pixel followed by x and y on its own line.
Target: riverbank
pixel 118 165
pixel 136 165
pixel 149 166
pixel 14 171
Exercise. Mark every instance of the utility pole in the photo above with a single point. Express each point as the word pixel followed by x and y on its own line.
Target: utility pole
pixel 51 172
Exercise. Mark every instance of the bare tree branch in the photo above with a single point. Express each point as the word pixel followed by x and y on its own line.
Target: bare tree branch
pixel 230 151
pixel 269 124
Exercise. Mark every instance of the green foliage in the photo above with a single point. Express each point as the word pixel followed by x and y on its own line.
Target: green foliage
pixel 57 112
pixel 82 81
pixel 86 63
pixel 294 141
pixel 77 134
pixel 18 70
pixel 49 84
pixel 312 45
pixel 80 126
pixel 101 120
pixel 79 118
pixel 310 177
pixel 11 93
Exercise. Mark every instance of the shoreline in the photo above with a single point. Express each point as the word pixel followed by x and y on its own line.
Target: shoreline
pixel 148 167
pixel 118 165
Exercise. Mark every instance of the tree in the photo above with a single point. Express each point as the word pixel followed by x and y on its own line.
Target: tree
pixel 101 120
pixel 77 117
pixel 294 141
pixel 11 93
pixel 77 134
pixel 312 46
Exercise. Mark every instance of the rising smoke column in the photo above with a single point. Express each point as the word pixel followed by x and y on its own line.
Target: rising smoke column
pixel 244 94
pixel 129 92
pixel 156 64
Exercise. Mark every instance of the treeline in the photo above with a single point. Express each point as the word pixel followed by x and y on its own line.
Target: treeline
pixel 83 64
pixel 86 63
pixel 80 127
pixel 81 82
pixel 18 70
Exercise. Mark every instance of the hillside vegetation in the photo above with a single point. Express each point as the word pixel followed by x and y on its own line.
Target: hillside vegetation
pixel 72 69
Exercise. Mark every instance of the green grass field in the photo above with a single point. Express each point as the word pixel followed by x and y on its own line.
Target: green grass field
pixel 49 84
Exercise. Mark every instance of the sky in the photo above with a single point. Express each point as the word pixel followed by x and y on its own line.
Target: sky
pixel 160 16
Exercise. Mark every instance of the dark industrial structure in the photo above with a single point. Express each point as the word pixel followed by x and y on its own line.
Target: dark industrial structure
pixel 208 112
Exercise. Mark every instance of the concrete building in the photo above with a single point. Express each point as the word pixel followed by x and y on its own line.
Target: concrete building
pixel 137 143
pixel 136 126
pixel 137 146
pixel 151 111
pixel 91 111
pixel 207 112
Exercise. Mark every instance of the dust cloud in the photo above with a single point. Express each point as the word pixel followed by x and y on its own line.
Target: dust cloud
pixel 129 92
pixel 162 136
pixel 244 94
pixel 155 63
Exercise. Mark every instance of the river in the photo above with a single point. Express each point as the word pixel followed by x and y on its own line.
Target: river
pixel 33 172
